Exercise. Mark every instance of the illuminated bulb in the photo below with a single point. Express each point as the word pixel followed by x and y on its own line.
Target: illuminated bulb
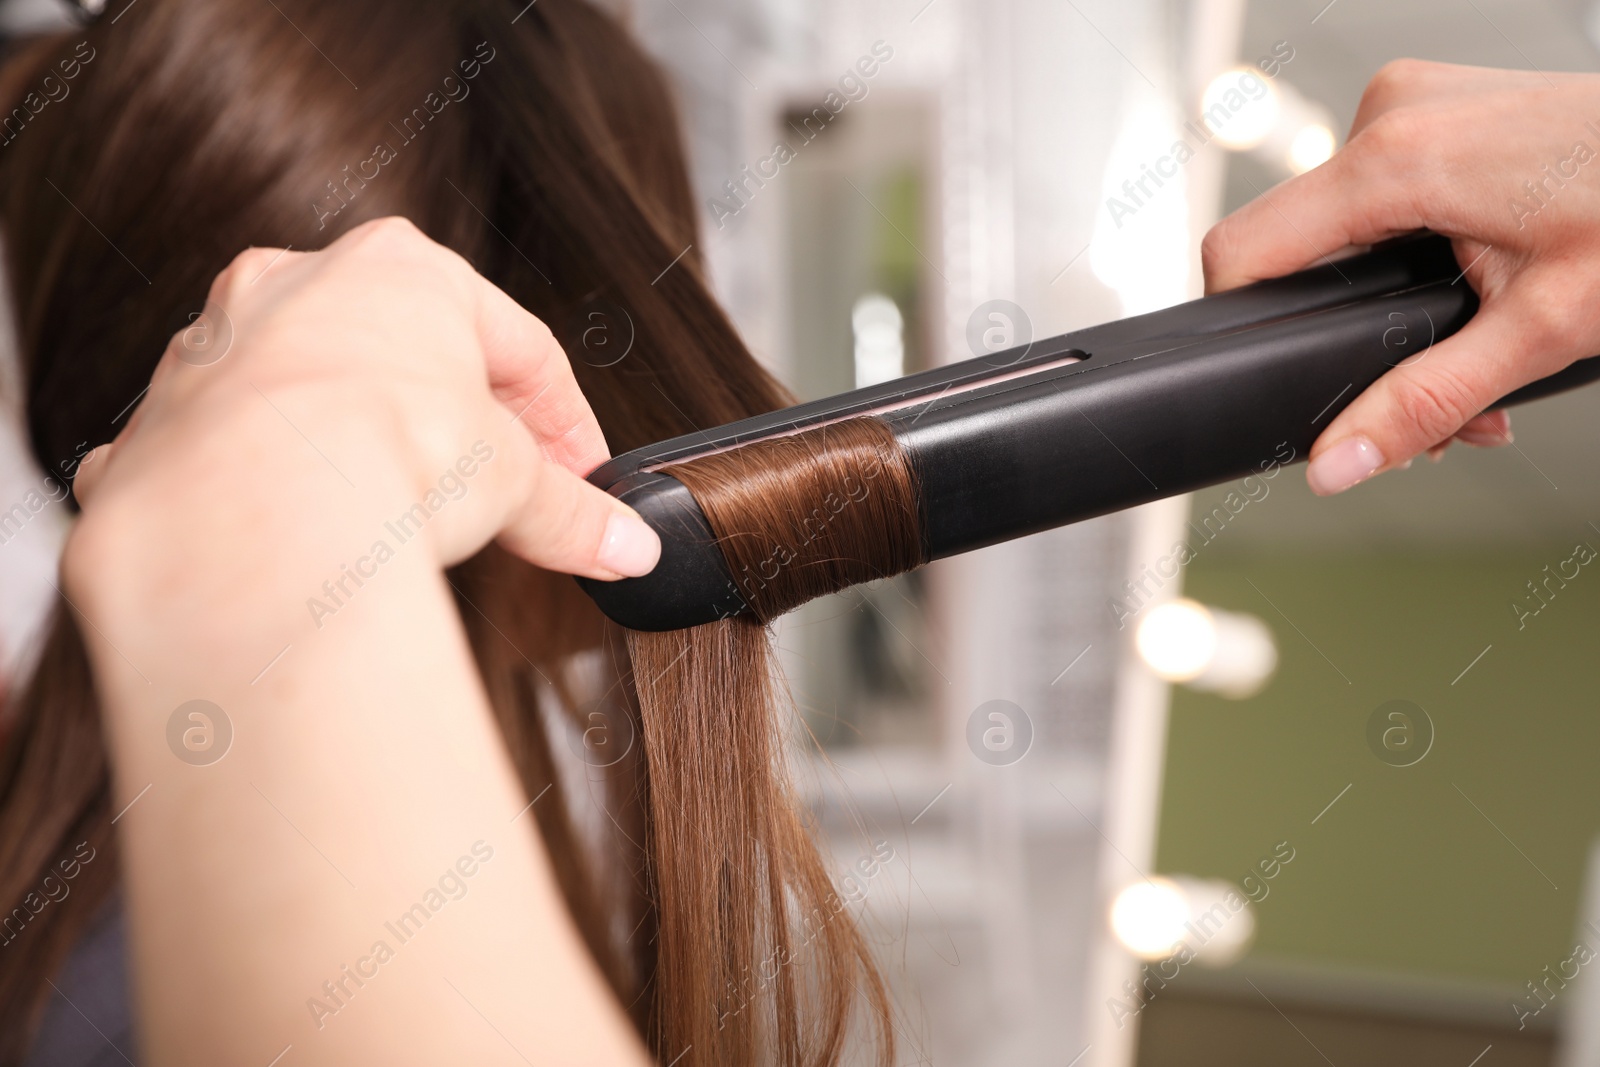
pixel 1209 921
pixel 1148 917
pixel 1240 107
pixel 1311 148
pixel 1213 651
pixel 1178 640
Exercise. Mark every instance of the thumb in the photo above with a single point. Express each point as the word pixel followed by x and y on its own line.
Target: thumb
pixel 91 471
pixel 1424 401
pixel 565 524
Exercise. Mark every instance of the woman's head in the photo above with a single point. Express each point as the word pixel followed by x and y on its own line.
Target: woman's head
pixel 546 152
pixel 541 144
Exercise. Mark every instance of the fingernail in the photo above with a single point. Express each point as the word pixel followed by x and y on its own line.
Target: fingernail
pixel 1485 438
pixel 630 548
pixel 1347 463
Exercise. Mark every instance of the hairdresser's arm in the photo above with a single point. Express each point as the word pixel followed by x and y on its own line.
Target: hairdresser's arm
pixel 1505 163
pixel 363 830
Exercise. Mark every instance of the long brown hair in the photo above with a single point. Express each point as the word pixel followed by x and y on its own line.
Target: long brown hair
pixel 796 517
pixel 544 148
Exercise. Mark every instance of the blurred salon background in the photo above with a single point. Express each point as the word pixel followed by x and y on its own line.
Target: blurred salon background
pixel 1243 778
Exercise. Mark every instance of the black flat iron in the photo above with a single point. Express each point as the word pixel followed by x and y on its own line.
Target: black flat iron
pixel 1090 422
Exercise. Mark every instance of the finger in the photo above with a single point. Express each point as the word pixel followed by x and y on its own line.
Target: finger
pixel 1356 198
pixel 1489 430
pixel 1414 82
pixel 1492 429
pixel 532 377
pixel 254 268
pixel 91 471
pixel 1419 405
pixel 1401 83
pixel 565 524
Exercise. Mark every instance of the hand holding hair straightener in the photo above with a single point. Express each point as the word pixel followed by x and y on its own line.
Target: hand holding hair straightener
pixel 1504 162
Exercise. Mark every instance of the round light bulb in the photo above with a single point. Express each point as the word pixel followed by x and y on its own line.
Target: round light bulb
pixel 1148 917
pixel 1178 640
pixel 1240 108
pixel 1311 148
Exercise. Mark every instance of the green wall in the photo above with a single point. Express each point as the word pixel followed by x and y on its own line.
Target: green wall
pixel 1402 873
